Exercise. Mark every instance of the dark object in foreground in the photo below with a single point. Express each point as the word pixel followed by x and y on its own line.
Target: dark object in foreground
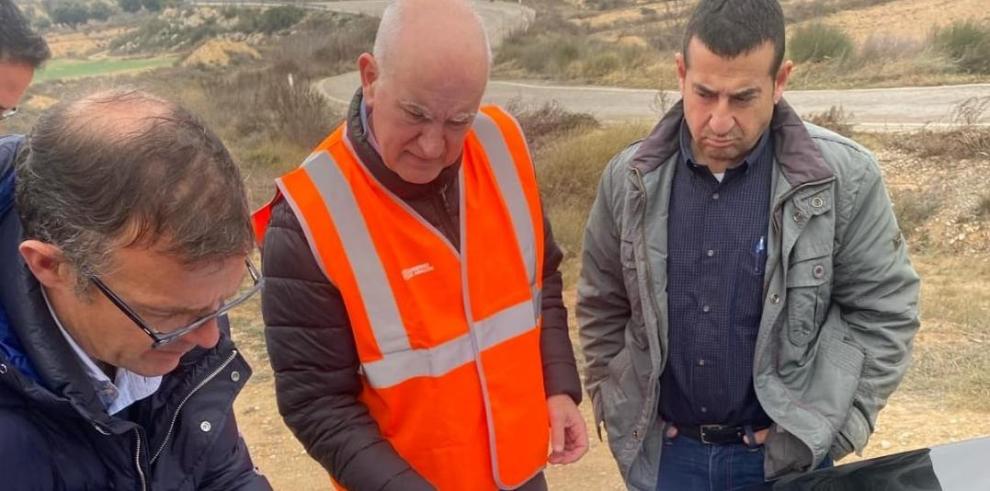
pixel 955 467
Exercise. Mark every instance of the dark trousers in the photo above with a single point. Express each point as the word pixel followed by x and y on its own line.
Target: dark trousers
pixel 689 465
pixel 538 483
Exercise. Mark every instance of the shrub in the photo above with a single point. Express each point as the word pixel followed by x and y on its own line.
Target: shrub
pixel 983 207
pixel 152 5
pixel 818 42
pixel 130 6
pixel 71 14
pixel 835 118
pixel 280 18
pixel 326 46
pixel 913 209
pixel 100 11
pixel 967 43
pixel 551 120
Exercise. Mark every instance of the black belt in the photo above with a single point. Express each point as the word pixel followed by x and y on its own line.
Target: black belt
pixel 715 434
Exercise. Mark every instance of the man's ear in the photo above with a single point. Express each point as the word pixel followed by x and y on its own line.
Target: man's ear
pixel 780 81
pixel 47 263
pixel 370 73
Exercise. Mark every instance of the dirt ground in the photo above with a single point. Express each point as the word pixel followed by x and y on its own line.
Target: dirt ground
pixel 911 19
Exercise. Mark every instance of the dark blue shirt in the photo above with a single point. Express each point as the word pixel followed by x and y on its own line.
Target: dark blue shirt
pixel 715 265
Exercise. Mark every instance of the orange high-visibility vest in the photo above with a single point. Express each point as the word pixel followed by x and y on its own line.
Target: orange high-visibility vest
pixel 448 340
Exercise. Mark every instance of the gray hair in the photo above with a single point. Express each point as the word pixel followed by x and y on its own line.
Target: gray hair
pixel 123 168
pixel 392 20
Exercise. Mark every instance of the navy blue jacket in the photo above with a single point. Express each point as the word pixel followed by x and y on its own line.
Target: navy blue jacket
pixel 54 431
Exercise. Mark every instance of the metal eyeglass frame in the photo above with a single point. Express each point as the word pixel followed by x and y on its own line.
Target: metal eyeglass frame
pixel 161 339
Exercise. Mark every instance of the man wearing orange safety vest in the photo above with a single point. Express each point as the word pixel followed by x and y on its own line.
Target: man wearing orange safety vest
pixel 413 303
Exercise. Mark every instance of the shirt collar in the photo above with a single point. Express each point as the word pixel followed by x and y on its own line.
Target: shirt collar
pixel 127 387
pixel 687 155
pixel 365 114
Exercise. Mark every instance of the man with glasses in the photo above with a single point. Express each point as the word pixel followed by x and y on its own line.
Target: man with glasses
pixel 22 51
pixel 123 245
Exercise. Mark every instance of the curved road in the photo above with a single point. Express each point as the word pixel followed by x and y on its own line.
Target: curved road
pixel 892 109
pixel 872 109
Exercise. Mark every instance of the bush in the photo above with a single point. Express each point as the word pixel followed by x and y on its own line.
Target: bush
pixel 100 11
pixel 835 118
pixel 967 43
pixel 258 103
pixel 152 5
pixel 325 45
pixel 983 207
pixel 71 14
pixel 551 120
pixel 819 42
pixel 130 6
pixel 913 209
pixel 280 18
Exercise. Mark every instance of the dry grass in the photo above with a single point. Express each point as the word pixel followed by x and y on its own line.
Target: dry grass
pixel 836 118
pixel 950 357
pixel 569 169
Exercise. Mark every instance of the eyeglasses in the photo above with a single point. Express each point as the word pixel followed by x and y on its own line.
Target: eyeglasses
pixel 161 339
pixel 6 113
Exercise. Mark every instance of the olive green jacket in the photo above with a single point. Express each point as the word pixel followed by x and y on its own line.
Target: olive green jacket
pixel 840 298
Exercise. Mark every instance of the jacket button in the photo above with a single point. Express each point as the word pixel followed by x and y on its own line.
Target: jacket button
pixel 797 217
pixel 817 202
pixel 819 271
pixel 235 376
pixel 3 369
pixel 636 434
pixel 774 299
pixel 205 426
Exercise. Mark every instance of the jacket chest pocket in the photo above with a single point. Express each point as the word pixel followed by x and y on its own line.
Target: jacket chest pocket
pixel 809 286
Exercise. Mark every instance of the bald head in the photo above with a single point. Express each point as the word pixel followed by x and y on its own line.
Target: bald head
pixel 127 167
pixel 427 34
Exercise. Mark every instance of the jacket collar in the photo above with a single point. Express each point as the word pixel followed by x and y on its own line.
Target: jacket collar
pixel 57 380
pixel 796 154
pixel 373 161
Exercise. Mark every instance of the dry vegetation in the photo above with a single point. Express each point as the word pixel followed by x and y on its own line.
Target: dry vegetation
pixel 621 42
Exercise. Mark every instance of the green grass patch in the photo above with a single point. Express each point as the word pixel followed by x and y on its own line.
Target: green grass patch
pixel 65 69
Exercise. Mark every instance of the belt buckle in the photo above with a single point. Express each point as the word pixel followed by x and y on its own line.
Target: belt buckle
pixel 703 431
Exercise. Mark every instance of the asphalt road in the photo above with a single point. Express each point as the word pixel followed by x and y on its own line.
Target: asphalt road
pixel 892 109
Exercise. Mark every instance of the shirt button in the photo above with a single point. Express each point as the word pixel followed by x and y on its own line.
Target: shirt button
pixel 706 309
pixel 701 363
pixel 710 253
pixel 715 196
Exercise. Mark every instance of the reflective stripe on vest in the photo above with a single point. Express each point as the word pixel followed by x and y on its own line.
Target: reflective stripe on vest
pixel 400 279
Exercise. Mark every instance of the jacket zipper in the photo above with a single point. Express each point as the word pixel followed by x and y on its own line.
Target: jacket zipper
pixel 175 417
pixel 445 220
pixel 649 271
pixel 137 460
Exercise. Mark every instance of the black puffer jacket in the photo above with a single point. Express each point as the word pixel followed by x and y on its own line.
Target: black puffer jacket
pixel 312 348
pixel 54 432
